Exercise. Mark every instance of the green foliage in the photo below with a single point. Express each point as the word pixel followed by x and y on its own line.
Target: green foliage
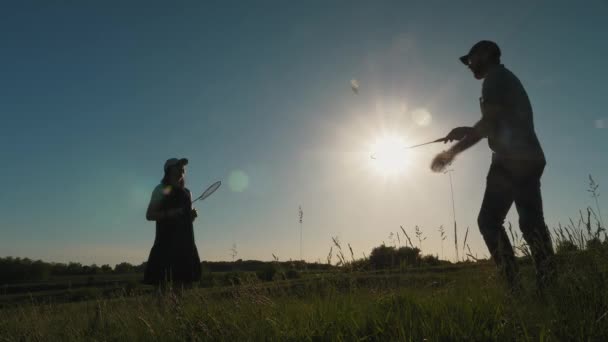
pixel 566 246
pixel 454 302
pixel 430 260
pixel 408 255
pixel 14 270
pixel 466 301
pixel 124 267
pixel 360 265
pixel 207 279
pixel 292 274
pixel 268 272
pixel 257 265
pixel 232 278
pixel 594 244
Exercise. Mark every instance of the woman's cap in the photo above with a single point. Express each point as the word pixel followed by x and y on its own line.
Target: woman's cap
pixel 175 162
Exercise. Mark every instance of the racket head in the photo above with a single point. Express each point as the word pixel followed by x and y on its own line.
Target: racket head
pixel 211 189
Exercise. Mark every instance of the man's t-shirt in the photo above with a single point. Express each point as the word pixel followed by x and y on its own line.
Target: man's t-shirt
pixel 507 117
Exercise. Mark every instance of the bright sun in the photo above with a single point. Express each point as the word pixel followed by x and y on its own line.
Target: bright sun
pixel 389 155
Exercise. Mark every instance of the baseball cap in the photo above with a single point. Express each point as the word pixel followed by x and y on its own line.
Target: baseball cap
pixel 482 45
pixel 174 162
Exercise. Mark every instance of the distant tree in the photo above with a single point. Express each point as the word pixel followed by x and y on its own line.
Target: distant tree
pixel 124 267
pixel 18 270
pixel 24 269
pixel 59 269
pixel 387 256
pixel 141 267
pixel 408 255
pixel 74 268
pixel 430 260
pixel 94 269
pixel 40 270
pixel 382 257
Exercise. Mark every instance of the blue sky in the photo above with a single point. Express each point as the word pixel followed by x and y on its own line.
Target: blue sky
pixel 94 97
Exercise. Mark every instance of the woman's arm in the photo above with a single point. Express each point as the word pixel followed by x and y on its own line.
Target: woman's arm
pixel 155 212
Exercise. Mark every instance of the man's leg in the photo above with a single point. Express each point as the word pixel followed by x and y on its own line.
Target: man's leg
pixel 529 204
pixel 496 203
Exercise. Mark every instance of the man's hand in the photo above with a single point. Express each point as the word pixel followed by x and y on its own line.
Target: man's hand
pixel 193 214
pixel 442 160
pixel 458 133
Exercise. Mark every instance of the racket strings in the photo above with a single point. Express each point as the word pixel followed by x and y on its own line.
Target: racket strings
pixel 211 189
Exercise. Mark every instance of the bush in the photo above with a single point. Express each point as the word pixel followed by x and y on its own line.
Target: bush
pixel 233 278
pixel 292 274
pixel 565 246
pixel 207 280
pixel 360 265
pixel 430 260
pixel 124 267
pixel 409 255
pixel 386 257
pixel 382 257
pixel 594 244
pixel 267 273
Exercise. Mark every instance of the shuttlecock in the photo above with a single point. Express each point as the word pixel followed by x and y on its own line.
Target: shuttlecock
pixel 354 85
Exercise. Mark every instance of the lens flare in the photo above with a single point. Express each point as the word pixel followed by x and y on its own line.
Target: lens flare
pixel 422 117
pixel 238 181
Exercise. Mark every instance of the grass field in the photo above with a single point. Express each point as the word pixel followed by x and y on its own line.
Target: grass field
pixel 464 301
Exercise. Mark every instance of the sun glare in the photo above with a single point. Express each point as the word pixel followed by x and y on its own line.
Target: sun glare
pixel 389 155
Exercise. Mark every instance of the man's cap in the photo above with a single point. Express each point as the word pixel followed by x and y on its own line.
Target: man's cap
pixel 483 45
pixel 175 162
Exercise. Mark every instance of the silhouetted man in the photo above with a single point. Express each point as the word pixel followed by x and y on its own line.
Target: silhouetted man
pixel 518 162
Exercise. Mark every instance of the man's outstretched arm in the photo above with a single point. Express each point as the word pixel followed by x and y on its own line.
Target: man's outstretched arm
pixel 472 137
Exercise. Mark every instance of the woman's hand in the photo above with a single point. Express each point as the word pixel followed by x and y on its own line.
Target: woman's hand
pixel 193 214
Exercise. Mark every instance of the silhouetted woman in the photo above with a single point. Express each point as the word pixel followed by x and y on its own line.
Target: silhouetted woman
pixel 174 256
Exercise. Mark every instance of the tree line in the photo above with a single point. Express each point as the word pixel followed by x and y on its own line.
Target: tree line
pixel 14 270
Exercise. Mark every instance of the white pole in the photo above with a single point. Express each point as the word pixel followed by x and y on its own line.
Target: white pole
pixel 449 172
pixel 300 216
